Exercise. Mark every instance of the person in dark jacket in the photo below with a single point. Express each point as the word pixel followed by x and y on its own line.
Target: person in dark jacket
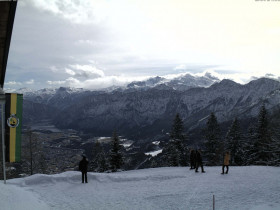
pixel 192 159
pixel 83 166
pixel 198 159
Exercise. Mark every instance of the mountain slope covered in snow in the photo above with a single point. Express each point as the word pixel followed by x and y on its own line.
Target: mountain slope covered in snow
pixel 138 112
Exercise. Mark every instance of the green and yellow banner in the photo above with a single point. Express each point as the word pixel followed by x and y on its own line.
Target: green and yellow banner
pixel 13 116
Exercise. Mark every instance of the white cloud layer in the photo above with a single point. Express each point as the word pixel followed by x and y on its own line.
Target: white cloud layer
pixel 13 83
pixel 90 81
pixel 90 43
pixel 97 82
pixel 78 11
pixel 30 82
pixel 56 83
pixel 123 80
pixel 85 71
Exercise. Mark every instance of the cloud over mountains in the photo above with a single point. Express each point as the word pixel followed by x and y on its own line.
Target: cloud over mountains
pixel 101 43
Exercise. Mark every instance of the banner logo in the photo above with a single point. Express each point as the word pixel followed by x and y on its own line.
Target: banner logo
pixel 13 121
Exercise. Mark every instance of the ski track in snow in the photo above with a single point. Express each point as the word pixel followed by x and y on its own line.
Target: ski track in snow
pixel 244 188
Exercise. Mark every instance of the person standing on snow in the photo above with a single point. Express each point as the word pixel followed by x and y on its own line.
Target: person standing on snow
pixel 83 166
pixel 192 159
pixel 198 159
pixel 226 162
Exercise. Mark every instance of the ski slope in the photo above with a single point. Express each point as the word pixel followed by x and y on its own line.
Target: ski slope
pixel 244 188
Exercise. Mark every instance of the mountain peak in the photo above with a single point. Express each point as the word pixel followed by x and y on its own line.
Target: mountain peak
pixel 228 82
pixel 211 76
pixel 264 80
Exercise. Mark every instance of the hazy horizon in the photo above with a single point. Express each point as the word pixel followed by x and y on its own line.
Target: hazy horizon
pixel 167 77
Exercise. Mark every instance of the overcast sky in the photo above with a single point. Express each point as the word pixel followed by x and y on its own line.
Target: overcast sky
pixel 99 43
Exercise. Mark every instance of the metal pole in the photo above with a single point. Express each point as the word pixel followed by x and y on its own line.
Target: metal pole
pixel 3 141
pixel 213 202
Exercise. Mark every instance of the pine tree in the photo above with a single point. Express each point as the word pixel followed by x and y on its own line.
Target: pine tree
pixel 248 146
pixel 275 146
pixel 263 151
pixel 177 148
pixel 93 165
pixel 233 143
pixel 177 128
pixel 275 137
pixel 116 157
pixel 99 161
pixel 102 161
pixel 212 144
pixel 171 154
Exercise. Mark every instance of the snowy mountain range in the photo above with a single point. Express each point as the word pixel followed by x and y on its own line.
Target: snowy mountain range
pixel 177 82
pixel 147 108
pixel 181 83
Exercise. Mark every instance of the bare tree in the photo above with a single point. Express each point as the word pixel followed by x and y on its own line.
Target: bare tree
pixel 33 158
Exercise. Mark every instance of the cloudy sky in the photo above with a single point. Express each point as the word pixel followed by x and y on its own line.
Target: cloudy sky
pixel 99 43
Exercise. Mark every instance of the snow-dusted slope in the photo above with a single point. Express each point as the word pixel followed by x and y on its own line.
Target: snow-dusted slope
pixel 244 188
pixel 148 112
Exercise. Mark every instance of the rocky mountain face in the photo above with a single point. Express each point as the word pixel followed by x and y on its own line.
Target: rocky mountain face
pixel 146 109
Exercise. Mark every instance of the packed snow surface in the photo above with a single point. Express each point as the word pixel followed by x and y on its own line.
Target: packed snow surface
pixel 250 188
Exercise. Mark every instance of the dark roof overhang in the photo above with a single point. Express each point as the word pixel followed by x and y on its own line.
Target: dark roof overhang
pixel 7 15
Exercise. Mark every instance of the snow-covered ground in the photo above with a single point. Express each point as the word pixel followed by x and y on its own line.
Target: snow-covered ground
pixel 252 188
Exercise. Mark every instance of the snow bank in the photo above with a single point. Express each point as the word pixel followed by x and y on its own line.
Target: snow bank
pixel 13 198
pixel 244 188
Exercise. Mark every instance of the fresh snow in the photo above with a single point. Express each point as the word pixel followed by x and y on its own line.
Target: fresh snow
pixel 244 188
pixel 154 153
pixel 126 145
pixel 14 197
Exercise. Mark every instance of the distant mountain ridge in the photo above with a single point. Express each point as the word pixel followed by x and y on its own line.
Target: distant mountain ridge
pixel 183 82
pixel 147 108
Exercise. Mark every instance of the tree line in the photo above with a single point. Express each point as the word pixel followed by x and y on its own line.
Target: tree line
pixel 259 145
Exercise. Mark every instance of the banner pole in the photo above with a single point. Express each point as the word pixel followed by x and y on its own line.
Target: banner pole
pixel 3 141
pixel 213 202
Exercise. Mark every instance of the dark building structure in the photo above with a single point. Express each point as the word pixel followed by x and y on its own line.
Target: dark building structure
pixel 7 15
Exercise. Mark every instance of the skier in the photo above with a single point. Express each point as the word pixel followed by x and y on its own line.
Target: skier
pixel 83 166
pixel 192 159
pixel 226 162
pixel 198 159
